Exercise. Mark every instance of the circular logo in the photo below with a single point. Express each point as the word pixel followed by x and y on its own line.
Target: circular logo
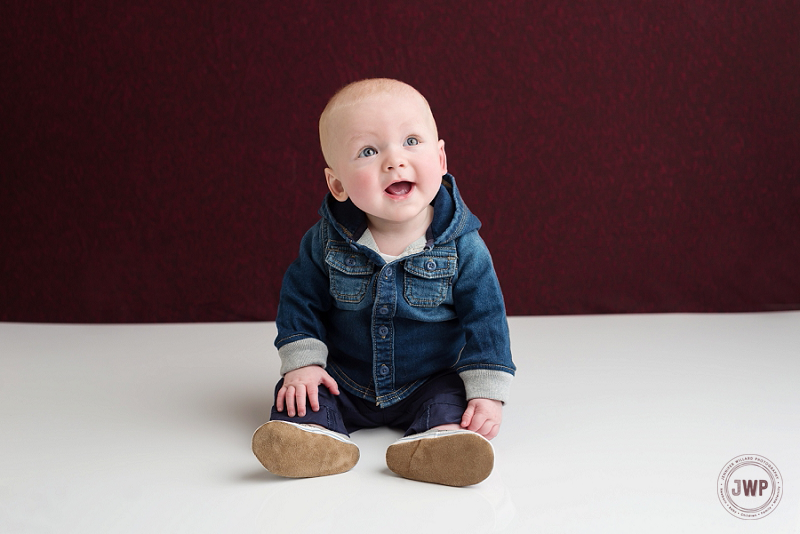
pixel 750 487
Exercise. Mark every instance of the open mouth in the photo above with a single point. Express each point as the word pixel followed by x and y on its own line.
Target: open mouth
pixel 399 189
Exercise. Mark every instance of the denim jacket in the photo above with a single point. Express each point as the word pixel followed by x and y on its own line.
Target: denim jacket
pixel 381 330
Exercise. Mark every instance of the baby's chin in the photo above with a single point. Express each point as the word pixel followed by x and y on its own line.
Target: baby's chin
pixel 400 213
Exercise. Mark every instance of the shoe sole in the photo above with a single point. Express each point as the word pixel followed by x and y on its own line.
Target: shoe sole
pixel 290 451
pixel 452 459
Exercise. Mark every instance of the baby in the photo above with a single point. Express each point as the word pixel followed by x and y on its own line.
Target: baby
pixel 392 314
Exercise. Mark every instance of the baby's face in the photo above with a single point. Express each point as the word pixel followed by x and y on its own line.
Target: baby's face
pixel 385 155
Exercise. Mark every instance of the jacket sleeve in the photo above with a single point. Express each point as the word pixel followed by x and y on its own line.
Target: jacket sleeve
pixel 304 298
pixel 485 364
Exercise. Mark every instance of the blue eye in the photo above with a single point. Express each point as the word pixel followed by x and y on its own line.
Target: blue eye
pixel 412 141
pixel 367 152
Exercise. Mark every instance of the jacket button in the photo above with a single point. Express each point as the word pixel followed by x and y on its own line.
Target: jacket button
pixel 350 261
pixel 430 265
pixel 384 369
pixel 383 310
pixel 383 330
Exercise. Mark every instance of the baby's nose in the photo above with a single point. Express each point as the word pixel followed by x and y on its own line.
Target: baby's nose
pixel 393 161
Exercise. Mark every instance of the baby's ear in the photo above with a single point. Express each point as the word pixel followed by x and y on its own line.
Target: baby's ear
pixel 335 186
pixel 442 157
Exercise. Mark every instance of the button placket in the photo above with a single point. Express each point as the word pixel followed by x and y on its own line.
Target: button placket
pixel 382 330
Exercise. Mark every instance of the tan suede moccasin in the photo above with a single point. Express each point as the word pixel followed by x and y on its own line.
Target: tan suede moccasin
pixel 299 451
pixel 449 457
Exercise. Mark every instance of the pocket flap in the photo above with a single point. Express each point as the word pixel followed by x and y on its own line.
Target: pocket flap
pixel 349 262
pixel 432 265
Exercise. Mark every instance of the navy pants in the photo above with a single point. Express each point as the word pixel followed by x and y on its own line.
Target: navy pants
pixel 439 401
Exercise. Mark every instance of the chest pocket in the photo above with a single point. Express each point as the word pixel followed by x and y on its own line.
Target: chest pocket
pixel 429 276
pixel 350 276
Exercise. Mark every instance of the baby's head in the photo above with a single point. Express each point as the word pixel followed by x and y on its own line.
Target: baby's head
pixel 357 93
pixel 382 148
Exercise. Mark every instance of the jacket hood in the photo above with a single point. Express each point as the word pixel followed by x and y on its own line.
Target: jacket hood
pixel 451 217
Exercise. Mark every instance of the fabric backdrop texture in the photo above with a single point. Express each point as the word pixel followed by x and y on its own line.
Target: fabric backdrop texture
pixel 159 159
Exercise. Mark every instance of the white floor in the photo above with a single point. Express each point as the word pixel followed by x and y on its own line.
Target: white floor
pixel 617 424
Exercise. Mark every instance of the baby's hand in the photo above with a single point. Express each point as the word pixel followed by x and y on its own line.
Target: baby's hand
pixel 300 384
pixel 483 416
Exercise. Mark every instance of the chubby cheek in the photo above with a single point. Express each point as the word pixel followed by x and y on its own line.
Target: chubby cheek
pixel 364 189
pixel 433 176
pixel 362 182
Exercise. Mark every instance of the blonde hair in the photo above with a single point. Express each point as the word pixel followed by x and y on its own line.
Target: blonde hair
pixel 357 92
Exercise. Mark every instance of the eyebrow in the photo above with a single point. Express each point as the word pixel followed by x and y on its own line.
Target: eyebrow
pixel 358 139
pixel 412 129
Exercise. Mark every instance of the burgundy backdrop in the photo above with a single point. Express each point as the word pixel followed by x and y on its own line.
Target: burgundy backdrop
pixel 160 159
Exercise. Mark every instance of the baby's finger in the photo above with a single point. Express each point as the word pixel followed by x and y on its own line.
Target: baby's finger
pixel 290 401
pixel 331 384
pixel 493 432
pixel 300 397
pixel 312 393
pixel 478 420
pixel 466 419
pixel 279 398
pixel 488 430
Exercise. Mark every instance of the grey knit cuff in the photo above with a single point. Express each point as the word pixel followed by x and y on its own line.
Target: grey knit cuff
pixel 487 384
pixel 302 353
